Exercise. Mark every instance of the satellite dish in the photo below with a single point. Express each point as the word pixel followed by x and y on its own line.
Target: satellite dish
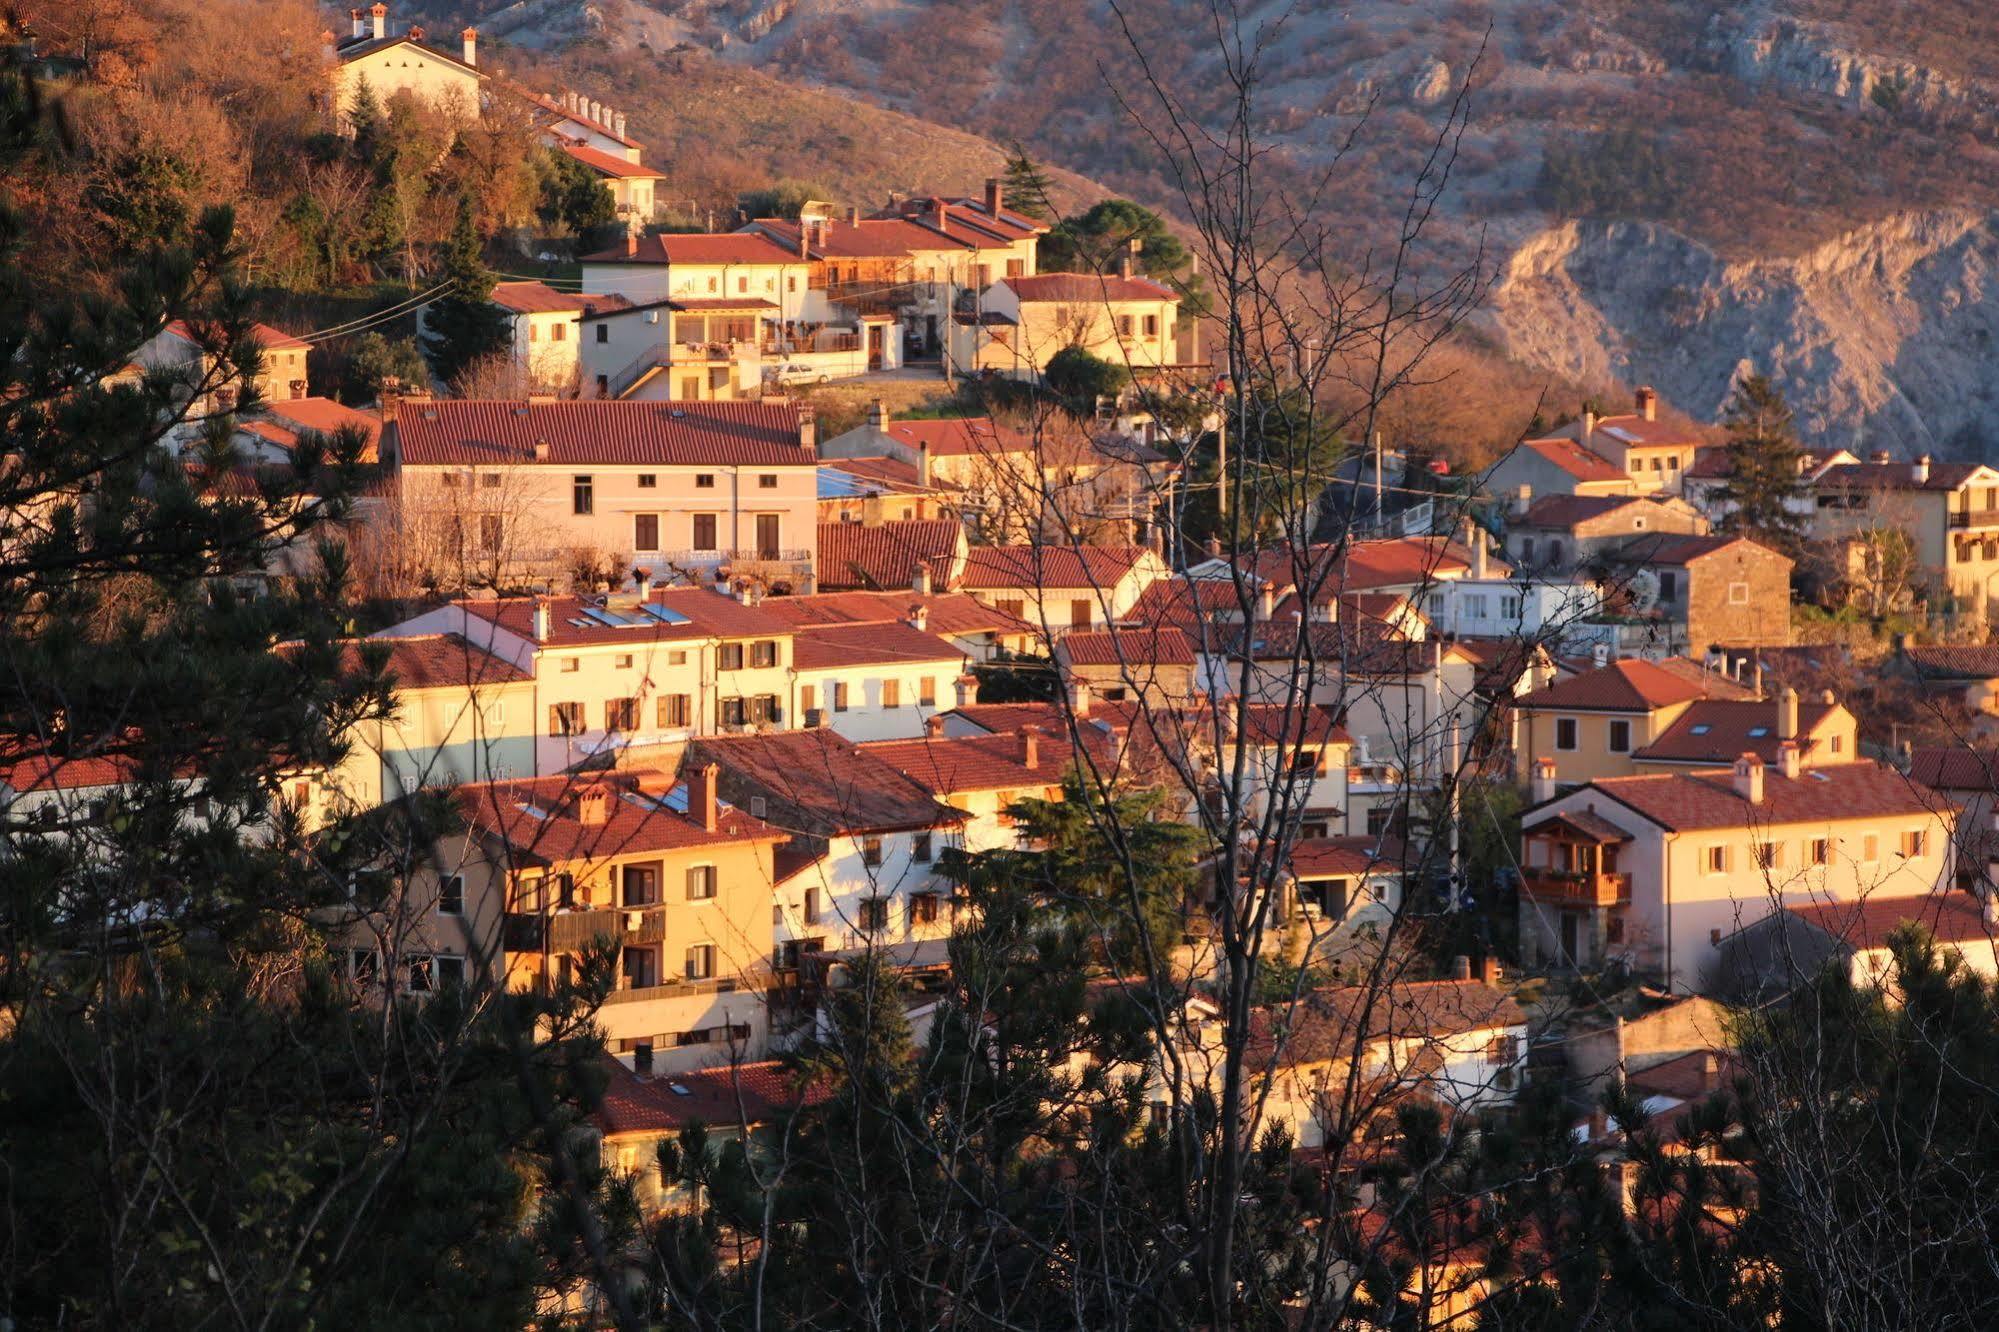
pixel 1643 589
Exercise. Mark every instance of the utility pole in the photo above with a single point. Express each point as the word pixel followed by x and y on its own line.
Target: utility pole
pixel 1379 517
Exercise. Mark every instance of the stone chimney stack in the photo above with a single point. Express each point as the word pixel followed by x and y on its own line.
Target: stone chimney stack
pixel 541 621
pixel 593 806
pixel 381 16
pixel 1079 697
pixel 967 689
pixel 1266 602
pixel 919 619
pixel 1787 713
pixel 995 195
pixel 933 726
pixel 360 22
pixel 1749 778
pixel 469 39
pixel 878 414
pixel 1544 781
pixel 1919 472
pixel 919 582
pixel 1030 747
pixel 1126 265
pixel 1787 759
pixel 1648 403
pixel 1589 424
pixel 808 429
pixel 618 124
pixel 1479 567
pixel 701 784
pixel 923 463
pixel 1488 970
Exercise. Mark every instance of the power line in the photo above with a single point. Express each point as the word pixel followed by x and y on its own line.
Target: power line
pixel 371 320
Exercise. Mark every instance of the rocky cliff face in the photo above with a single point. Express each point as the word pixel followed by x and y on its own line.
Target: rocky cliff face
pixel 1883 338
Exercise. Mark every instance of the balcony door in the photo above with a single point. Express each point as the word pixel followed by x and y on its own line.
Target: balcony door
pixel 640 968
pixel 1571 929
pixel 767 535
pixel 641 886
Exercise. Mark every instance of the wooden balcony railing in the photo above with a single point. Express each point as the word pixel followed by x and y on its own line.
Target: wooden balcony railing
pixel 1974 517
pixel 570 931
pixel 1575 889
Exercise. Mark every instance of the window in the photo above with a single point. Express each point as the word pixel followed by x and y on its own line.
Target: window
pixel 767 481
pixel 560 333
pixel 1915 843
pixel 763 653
pixel 704 480
pixel 926 691
pixel 923 909
pixel 648 480
pixel 714 284
pixel 1669 584
pixel 1124 326
pixel 624 660
pixel 583 495
pixel 603 386
pixel 874 914
pixel 1620 737
pixel 1717 860
pixel 621 714
pixel 603 332
pixel 1613 929
pixel 791 282
pixel 1821 851
pixel 1565 733
pixel 742 285
pixel 769 527
pixel 763 708
pixel 534 332
pixel 1016 268
pixel 1502 1051
pixel 565 719
pixel 676 658
pixel 1738 594
pixel 675 710
pixel 871 851
pixel 1152 326
pixel 891 693
pixel 1079 612
pixel 1526 548
pixel 638 886
pixel 450 480
pixel 1769 855
pixel 701 962
pixel 731 657
pixel 1870 848
pixel 570 665
pixel 450 972
pixel 700 883
pixel 735 712
pixel 364 965
pixel 808 697
pixel 490 480
pixel 811 912
pixel 451 895
pixel 920 848
pixel 704 531
pixel 490 532
pixel 1509 608
pixel 645 531
pixel 421 978
pixel 1379 819
pixel 1838 744
pixel 839 696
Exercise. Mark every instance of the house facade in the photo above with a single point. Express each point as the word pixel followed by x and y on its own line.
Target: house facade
pixel 1949 512
pixel 390 62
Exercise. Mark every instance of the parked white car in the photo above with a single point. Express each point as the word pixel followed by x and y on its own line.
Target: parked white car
pixel 796 372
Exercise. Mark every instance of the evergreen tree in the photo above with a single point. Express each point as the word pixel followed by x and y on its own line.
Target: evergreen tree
pixel 1766 484
pixel 463 325
pixel 573 198
pixel 1026 186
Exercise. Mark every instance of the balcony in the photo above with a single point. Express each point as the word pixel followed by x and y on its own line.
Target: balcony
pixel 1974 517
pixel 1570 888
pixel 683 989
pixel 744 560
pixel 571 931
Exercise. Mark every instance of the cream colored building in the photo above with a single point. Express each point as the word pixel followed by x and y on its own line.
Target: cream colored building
pixel 548 330
pixel 1948 511
pixel 1058 588
pixel 1656 871
pixel 1020 323
pixel 390 62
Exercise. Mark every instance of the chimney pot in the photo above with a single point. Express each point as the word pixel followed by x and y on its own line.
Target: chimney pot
pixel 1461 968
pixel 1880 456
pixel 1544 780
pixel 1079 697
pixel 1920 473
pixel 631 244
pixel 541 622
pixel 919 582
pixel 1787 713
pixel 808 428
pixel 1787 759
pixel 1648 403
pixel 1488 970
pixel 995 195
pixel 933 726
pixel 919 619
pixel 878 414
pixel 470 39
pixel 701 792
pixel 967 689
pixel 360 22
pixel 1589 424
pixel 1030 747
pixel 593 806
pixel 618 124
pixel 1523 499
pixel 1126 266
pixel 380 13
pixel 1749 778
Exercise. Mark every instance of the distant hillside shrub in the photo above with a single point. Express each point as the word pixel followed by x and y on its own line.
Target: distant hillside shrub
pixel 1618 173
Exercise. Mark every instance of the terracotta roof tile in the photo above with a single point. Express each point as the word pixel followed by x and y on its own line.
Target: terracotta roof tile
pixel 733 1095
pixel 857 556
pixel 287 418
pixel 821 784
pixel 948 613
pixel 1719 731
pixel 1564 512
pixel 957 437
pixel 1324 857
pixel 1628 685
pixel 1678 548
pixel 1076 288
pixel 1958 768
pixel 266 337
pixel 1965 661
pixel 543 819
pixel 998 568
pixel 696 613
pixel 727 247
pixel 449 432
pixel 1577 461
pixel 607 164
pixel 1951 917
pixel 540 298
pixel 1322 1026
pixel 835 647
pixel 946 766
pixel 1632 428
pixel 1131 645
pixel 1828 794
pixel 435 661
pixel 1898 476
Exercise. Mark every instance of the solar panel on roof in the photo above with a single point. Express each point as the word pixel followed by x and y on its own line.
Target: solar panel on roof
pixel 610 619
pixel 663 614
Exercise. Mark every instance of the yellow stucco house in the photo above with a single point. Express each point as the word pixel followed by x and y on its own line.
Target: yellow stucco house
pixel 1018 324
pixel 390 62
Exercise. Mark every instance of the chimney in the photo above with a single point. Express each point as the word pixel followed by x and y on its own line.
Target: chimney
pixel 701 784
pixel 919 619
pixel 593 806
pixel 871 510
pixel 1749 778
pixel 1460 968
pixel 995 195
pixel 967 687
pixel 1787 713
pixel 1079 697
pixel 642 1058
pixel 878 415
pixel 1787 759
pixel 360 23
pixel 541 450
pixel 1488 970
pixel 1213 549
pixel 541 621
pixel 1126 266
pixel 933 726
pixel 1710 1071
pixel 1030 747
pixel 919 582
pixel 618 124
pixel 1544 781
pixel 642 582
pixel 1266 602
pixel 469 39
pixel 1756 677
pixel 1826 697
pixel 1648 403
pixel 937 213
pixel 1599 655
pixel 1523 500
pixel 923 463
pixel 1879 457
pixel 631 245
pixel 1920 471
pixel 853 215
pixel 808 429
pixel 1479 567
pixel 1589 424
pixel 381 16
pixel 596 112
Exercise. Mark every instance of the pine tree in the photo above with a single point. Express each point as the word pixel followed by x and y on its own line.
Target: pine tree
pixel 1026 186
pixel 1766 483
pixel 463 324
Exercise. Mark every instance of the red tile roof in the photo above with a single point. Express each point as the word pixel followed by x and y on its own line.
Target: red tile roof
pixel 1564 512
pixel 608 164
pixel 738 1095
pixel 1189 603
pixel 857 556
pixel 878 475
pixel 998 568
pixel 459 433
pixel 706 613
pixel 836 647
pixel 1687 1078
pixel 1633 429
pixel 948 613
pixel 1719 731
pixel 1898 476
pixel 1968 661
pixel 540 298
pixel 563 113
pixel 1959 768
pixel 727 247
pixel 1132 645
pixel 1951 917
pixel 542 819
pixel 1822 795
pixel 288 417
pixel 1576 460
pixel 1628 685
pixel 1325 857
pixel 965 221
pixel 434 661
pixel 1337 570
pixel 1712 683
pixel 957 437
pixel 1681 549
pixel 945 767
pixel 266 337
pixel 820 784
pixel 26 766
pixel 1322 1026
pixel 1077 288
pixel 870 238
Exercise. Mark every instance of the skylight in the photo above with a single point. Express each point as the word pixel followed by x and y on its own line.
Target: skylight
pixel 1758 732
pixel 532 811
pixel 662 614
pixel 1702 729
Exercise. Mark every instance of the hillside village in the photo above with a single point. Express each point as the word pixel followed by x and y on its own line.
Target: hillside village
pixel 749 601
